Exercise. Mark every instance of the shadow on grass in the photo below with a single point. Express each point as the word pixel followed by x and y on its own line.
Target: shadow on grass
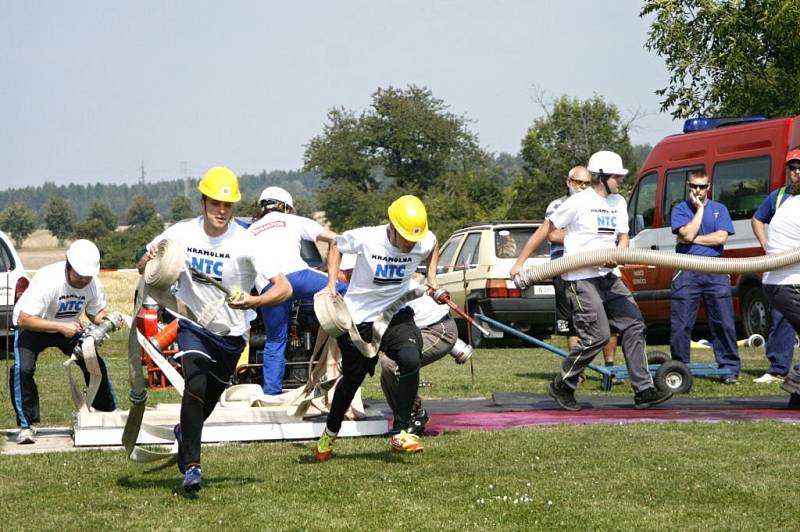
pixel 540 376
pixel 131 482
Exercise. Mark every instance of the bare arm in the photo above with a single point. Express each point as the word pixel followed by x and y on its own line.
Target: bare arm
pixel 533 242
pixel 280 291
pixel 97 318
pixel 149 254
pixel 334 261
pixel 433 262
pixel 27 322
pixel 556 236
pixel 760 230
pixel 326 236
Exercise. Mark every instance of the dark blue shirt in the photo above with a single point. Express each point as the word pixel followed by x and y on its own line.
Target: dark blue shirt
pixel 715 218
pixel 767 209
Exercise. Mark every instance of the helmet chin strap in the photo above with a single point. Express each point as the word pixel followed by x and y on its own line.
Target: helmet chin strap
pixel 604 179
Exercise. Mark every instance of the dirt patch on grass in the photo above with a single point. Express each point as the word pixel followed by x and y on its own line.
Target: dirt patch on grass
pixel 40 249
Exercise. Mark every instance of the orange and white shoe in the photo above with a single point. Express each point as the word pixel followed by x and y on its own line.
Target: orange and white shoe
pixel 406 443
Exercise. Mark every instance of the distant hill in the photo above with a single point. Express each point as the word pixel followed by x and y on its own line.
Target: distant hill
pixel 162 193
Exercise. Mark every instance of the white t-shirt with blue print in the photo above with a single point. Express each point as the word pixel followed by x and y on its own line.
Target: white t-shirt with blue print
pixel 592 222
pixel 51 297
pixel 382 272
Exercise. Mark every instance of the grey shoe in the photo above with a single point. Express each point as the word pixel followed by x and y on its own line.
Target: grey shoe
pixel 650 397
pixel 564 396
pixel 26 436
pixel 790 385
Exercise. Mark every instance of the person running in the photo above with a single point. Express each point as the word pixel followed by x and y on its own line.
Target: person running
pixel 229 254
pixel 597 218
pixel 387 256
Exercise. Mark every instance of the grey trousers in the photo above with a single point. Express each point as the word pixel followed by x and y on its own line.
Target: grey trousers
pixel 598 304
pixel 786 299
pixel 437 340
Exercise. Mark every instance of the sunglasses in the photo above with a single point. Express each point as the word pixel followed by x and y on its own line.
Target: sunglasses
pixel 579 183
pixel 793 167
pixel 698 187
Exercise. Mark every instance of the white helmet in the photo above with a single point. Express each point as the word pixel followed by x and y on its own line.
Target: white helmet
pixel 277 194
pixel 84 257
pixel 606 163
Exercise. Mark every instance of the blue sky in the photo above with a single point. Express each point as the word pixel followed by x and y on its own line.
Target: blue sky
pixel 91 89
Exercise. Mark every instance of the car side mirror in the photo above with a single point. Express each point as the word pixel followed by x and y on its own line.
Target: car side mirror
pixel 638 223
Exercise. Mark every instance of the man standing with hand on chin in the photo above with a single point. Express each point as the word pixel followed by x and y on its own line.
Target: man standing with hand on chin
pixel 702 227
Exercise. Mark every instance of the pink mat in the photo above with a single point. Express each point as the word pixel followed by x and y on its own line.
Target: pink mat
pixel 504 420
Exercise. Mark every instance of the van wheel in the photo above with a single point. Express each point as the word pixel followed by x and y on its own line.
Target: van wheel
pixel 755 312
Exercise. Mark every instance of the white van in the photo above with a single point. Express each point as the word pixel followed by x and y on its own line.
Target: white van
pixel 12 283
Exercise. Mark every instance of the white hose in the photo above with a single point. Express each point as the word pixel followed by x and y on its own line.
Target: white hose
pixel 666 259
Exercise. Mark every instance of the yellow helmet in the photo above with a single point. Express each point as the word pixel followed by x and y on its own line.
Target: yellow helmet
pixel 220 184
pixel 407 215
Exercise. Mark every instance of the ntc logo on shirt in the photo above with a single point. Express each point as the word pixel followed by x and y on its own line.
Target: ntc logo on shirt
pixel 606 223
pixel 390 273
pixel 70 305
pixel 209 263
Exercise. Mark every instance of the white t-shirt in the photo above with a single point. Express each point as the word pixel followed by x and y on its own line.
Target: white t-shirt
pixel 382 272
pixel 280 234
pixel 427 311
pixel 234 259
pixel 592 222
pixel 556 250
pixel 784 234
pixel 51 297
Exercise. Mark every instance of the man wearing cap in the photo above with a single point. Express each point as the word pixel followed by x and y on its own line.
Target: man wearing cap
pixel 702 227
pixel 48 314
pixel 780 343
pixel 387 256
pixel 279 232
pixel 596 219
pixel 219 250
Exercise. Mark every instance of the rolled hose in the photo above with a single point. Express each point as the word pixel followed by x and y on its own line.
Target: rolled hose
pixel 652 257
pixel 163 270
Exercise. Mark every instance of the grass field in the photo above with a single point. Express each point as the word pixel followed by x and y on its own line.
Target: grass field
pixel 725 476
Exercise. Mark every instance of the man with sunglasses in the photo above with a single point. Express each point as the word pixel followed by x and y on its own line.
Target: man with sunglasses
pixel 702 227
pixel 780 343
pixel 598 300
pixel 578 180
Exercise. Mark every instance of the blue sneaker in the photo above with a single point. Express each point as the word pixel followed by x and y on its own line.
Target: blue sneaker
pixel 181 456
pixel 193 480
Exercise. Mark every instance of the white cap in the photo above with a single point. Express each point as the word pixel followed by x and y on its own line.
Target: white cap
pixel 276 193
pixel 84 257
pixel 607 163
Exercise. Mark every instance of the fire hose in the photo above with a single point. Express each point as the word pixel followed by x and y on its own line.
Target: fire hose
pixel 651 257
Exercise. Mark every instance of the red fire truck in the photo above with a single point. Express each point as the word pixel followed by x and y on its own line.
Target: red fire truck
pixel 745 159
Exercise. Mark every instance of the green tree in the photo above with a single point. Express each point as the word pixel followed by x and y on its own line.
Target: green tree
pixel 407 142
pixel 59 218
pixel 141 212
pixel 18 221
pixel 182 208
pixel 567 136
pixel 727 57
pixel 90 229
pixel 120 247
pixel 101 212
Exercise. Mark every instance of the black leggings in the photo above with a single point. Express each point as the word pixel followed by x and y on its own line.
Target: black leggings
pixel 402 342
pixel 205 379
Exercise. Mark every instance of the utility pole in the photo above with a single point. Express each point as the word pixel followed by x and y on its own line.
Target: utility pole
pixel 186 186
pixel 142 174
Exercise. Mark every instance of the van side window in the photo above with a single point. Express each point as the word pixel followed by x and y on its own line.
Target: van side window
pixel 6 263
pixel 447 253
pixel 468 256
pixel 642 207
pixel 674 192
pixel 741 185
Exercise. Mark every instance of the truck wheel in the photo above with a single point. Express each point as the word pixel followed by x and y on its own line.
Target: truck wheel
pixel 755 312
pixel 673 375
pixel 655 358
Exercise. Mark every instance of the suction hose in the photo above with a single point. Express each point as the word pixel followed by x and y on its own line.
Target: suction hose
pixel 651 257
